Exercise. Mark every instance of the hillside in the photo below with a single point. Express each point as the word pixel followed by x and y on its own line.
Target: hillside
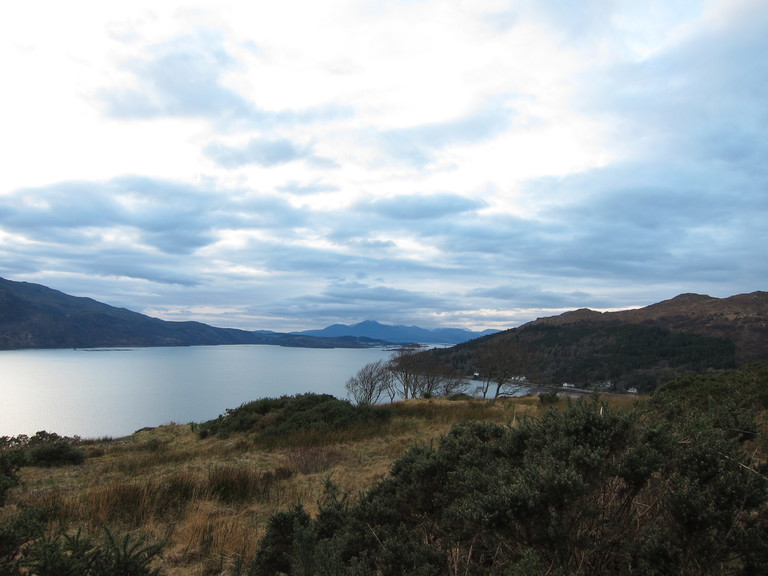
pixel 398 333
pixel 742 319
pixel 639 348
pixel 34 316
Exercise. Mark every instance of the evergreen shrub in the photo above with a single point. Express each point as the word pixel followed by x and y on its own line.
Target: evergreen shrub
pixel 293 414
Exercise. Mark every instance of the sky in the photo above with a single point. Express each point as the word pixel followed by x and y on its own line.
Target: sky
pixel 465 163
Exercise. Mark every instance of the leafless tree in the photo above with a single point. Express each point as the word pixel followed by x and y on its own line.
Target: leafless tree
pixel 403 365
pixel 370 383
pixel 503 363
pixel 421 375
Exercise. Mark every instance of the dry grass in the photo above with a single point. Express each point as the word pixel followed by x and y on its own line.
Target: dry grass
pixel 210 499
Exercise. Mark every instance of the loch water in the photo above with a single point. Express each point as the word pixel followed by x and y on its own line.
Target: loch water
pixel 100 392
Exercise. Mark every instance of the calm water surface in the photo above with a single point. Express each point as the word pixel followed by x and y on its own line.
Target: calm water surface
pixel 94 393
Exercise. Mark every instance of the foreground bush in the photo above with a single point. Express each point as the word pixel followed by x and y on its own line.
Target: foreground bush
pixel 42 449
pixel 28 549
pixel 287 415
pixel 9 474
pixel 581 491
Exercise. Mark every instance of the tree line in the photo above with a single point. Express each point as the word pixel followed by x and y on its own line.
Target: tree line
pixel 500 370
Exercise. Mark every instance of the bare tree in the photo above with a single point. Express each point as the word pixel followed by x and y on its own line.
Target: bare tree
pixel 434 378
pixel 370 382
pixel 421 375
pixel 503 363
pixel 403 365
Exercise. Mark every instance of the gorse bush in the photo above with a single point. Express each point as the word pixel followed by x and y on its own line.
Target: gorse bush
pixel 549 398
pixel 291 415
pixel 58 453
pixel 584 490
pixel 9 473
pixel 42 449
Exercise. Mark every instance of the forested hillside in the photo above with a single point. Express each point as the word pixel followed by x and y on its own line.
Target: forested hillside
pixel 640 348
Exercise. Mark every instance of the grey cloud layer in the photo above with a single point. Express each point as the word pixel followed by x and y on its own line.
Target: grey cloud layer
pixel 420 207
pixel 629 233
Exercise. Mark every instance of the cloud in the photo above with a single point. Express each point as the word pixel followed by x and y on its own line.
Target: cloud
pixel 181 78
pixel 184 78
pixel 356 300
pixel 702 98
pixel 420 206
pixel 419 145
pixel 305 189
pixel 261 152
pixel 171 217
pixel 536 297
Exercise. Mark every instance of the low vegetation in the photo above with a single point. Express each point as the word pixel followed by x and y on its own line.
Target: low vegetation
pixel 309 484
pixel 286 417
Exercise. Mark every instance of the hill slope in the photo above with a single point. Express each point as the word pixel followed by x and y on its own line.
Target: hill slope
pixel 742 319
pixel 640 348
pixel 34 316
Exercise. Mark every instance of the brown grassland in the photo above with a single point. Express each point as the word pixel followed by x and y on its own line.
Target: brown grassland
pixel 209 499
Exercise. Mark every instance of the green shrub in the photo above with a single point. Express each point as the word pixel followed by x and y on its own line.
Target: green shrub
pixel 58 453
pixel 16 532
pixel 291 415
pixel 280 540
pixel 9 477
pixel 549 398
pixel 42 449
pixel 729 401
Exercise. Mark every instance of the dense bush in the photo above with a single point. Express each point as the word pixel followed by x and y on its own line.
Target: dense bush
pixel 10 462
pixel 292 414
pixel 42 449
pixel 584 490
pixel 16 531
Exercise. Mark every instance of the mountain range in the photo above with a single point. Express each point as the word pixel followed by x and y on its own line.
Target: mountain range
pixel 398 333
pixel 35 316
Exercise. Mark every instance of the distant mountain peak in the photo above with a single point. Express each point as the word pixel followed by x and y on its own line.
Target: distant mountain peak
pixel 398 333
